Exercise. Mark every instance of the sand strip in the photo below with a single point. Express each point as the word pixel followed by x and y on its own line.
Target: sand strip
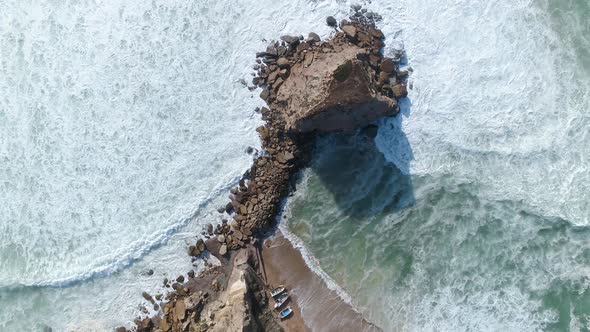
pixel 323 309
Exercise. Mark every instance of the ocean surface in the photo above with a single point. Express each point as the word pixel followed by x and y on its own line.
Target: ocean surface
pixel 124 124
pixel 470 211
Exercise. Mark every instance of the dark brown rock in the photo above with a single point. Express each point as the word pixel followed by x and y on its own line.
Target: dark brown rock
pixel 376 33
pixel 400 90
pixel 331 21
pixel 387 65
pixel 291 40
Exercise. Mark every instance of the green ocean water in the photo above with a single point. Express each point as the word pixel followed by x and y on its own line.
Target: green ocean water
pixel 470 211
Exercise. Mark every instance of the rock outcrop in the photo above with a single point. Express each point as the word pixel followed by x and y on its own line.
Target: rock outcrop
pixel 335 92
pixel 243 305
pixel 343 83
pixel 310 86
pixel 232 299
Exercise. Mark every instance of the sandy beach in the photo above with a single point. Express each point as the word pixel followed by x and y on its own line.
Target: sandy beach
pixel 315 306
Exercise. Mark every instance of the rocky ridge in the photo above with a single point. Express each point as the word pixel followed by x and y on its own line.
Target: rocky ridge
pixel 310 86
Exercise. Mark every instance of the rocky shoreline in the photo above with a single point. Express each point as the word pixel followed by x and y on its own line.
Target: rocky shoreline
pixel 310 86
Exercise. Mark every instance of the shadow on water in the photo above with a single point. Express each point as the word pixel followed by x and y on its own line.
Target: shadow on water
pixel 363 183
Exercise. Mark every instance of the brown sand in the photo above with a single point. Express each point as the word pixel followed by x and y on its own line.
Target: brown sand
pixel 323 309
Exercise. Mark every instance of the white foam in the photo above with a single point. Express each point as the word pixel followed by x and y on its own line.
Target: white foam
pixel 498 97
pixel 121 124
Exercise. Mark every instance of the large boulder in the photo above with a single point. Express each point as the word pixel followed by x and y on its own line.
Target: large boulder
pixel 332 92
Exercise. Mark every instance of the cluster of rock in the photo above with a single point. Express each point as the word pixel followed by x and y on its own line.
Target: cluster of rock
pixel 310 86
pixel 342 83
pixel 227 298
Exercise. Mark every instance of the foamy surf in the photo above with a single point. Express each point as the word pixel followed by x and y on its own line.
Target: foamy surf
pixel 494 235
pixel 121 126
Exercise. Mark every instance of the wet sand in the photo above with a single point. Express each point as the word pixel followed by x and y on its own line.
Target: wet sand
pixel 323 309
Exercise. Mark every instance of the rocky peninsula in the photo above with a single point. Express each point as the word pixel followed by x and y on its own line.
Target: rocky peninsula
pixel 310 86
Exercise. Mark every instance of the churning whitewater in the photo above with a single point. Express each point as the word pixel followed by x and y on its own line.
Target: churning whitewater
pixel 470 212
pixel 122 126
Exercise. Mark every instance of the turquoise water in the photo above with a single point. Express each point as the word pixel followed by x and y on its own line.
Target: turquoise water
pixel 427 253
pixel 469 212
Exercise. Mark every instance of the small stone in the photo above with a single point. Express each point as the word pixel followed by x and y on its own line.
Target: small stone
pixel 402 74
pixel 192 251
pixel 235 224
pixel 383 77
pixel 201 245
pixel 302 47
pixel 221 238
pixel 210 228
pixel 283 63
pixel 331 21
pixel 191 274
pixel 349 30
pixel 291 40
pixel 313 37
pixel 399 90
pixel 376 33
pixel 179 310
pixel 243 210
pixel 387 65
pixel 264 94
pixel 374 60
pixel 223 249
pixel 284 73
pixel 180 278
pixel 147 296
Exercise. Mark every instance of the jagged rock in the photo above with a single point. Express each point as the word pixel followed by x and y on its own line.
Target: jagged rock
pixel 387 65
pixel 349 30
pixel 400 90
pixel 291 40
pixel 334 93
